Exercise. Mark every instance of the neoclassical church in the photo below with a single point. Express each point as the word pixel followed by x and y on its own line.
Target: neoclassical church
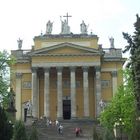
pixel 65 75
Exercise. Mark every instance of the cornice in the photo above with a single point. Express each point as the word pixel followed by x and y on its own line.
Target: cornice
pixel 63 36
pixel 80 54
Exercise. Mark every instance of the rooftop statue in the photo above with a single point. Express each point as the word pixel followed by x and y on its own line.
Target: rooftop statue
pixel 83 28
pixel 49 27
pixel 19 41
pixel 111 39
pixel 65 28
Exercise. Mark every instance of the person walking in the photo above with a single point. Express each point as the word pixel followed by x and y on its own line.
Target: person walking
pixel 60 129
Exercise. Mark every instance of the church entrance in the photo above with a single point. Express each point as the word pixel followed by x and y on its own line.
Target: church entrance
pixel 66 109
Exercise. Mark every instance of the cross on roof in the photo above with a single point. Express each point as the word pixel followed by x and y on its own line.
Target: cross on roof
pixel 67 16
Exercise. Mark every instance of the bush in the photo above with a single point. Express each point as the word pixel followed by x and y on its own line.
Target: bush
pixel 6 129
pixel 19 131
pixel 108 135
pixel 34 134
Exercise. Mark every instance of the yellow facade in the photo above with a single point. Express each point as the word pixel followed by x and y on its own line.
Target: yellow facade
pixel 66 52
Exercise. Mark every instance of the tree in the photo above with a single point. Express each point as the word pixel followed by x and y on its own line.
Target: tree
pixel 134 48
pixel 5 61
pixel 122 107
pixel 6 129
pixel 19 131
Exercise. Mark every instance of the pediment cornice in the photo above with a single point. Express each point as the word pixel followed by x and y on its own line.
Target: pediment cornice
pixel 84 50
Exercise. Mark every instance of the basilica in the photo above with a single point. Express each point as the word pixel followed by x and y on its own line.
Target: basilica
pixel 66 75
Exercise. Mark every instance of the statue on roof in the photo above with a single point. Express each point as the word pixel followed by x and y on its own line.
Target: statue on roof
pixel 49 27
pixel 83 28
pixel 65 28
pixel 19 41
pixel 111 39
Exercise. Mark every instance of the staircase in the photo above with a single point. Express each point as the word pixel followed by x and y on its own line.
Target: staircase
pixel 51 132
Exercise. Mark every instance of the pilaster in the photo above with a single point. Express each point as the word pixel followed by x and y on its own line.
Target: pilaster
pixel 98 89
pixel 18 95
pixel 114 82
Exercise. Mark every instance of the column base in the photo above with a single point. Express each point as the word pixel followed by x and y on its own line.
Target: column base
pixel 74 118
pixel 86 118
pixel 59 118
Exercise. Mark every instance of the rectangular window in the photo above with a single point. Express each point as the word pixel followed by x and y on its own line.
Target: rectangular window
pixel 105 83
pixel 27 85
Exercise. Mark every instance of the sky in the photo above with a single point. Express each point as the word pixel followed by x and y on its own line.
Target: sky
pixel 26 19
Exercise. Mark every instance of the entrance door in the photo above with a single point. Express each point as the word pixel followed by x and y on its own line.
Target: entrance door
pixel 66 109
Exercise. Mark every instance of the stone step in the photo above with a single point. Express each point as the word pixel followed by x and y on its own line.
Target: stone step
pixel 51 132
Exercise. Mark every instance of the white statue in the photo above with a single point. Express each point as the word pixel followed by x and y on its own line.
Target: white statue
pixel 111 39
pixel 83 28
pixel 102 104
pixel 65 29
pixel 49 27
pixel 19 41
pixel 28 105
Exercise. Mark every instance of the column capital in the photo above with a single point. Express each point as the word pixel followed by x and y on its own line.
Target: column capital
pixel 34 69
pixel 19 75
pixel 114 73
pixel 46 69
pixel 97 68
pixel 72 68
pixel 85 68
pixel 59 69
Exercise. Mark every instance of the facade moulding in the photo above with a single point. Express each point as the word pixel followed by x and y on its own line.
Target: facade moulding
pixel 63 64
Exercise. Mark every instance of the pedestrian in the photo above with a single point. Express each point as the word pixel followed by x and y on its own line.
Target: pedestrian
pixel 60 129
pixel 77 131
pixel 56 122
pixel 50 122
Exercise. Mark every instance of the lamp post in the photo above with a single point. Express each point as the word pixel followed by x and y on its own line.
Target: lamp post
pixel 120 123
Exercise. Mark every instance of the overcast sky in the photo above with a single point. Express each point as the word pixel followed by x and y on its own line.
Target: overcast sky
pixel 27 18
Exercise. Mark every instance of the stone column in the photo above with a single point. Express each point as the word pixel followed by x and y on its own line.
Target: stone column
pixel 114 82
pixel 73 92
pixel 98 89
pixel 86 91
pixel 46 93
pixel 59 93
pixel 18 95
pixel 35 96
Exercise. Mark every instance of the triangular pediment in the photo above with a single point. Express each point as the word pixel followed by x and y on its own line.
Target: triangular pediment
pixel 65 49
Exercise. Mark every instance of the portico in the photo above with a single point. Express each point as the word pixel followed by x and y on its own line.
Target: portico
pixel 60 88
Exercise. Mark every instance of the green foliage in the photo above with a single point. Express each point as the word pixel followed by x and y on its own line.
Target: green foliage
pixel 5 61
pixel 135 131
pixel 19 131
pixel 34 134
pixel 6 129
pixel 134 48
pixel 122 106
pixel 108 135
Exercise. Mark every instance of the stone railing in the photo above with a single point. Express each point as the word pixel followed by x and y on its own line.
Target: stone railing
pixel 112 53
pixel 21 54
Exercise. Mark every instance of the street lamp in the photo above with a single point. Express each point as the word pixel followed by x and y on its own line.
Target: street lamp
pixel 121 125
